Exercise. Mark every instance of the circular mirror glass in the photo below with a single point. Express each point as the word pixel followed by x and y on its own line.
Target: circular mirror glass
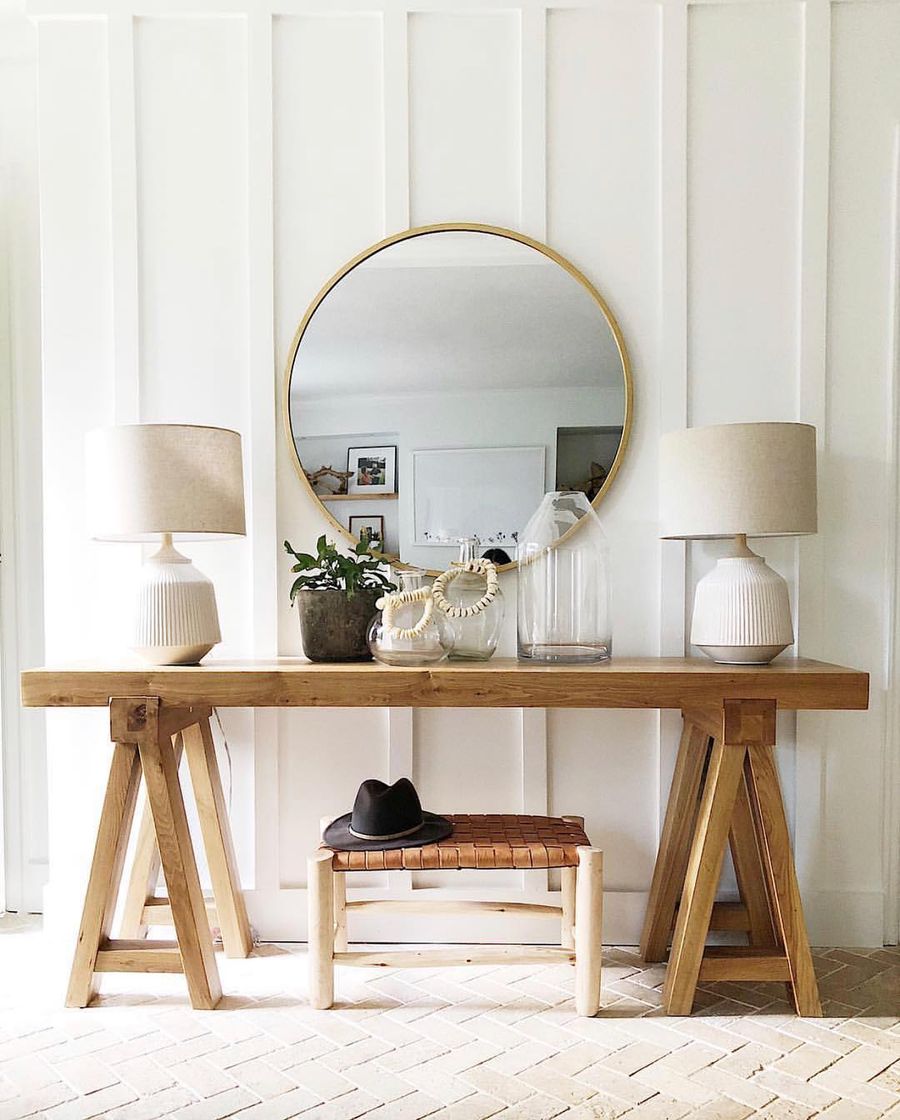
pixel 444 381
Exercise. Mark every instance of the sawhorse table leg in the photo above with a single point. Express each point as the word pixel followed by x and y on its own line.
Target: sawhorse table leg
pixel 142 730
pixel 725 789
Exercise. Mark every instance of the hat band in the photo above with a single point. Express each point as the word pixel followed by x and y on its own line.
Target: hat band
pixel 385 836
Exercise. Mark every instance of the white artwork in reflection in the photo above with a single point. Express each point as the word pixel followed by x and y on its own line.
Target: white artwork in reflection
pixel 483 492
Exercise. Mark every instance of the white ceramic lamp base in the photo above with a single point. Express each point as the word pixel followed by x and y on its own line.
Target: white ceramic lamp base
pixel 177 620
pixel 742 612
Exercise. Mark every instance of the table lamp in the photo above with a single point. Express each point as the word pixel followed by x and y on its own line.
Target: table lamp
pixel 148 482
pixel 739 480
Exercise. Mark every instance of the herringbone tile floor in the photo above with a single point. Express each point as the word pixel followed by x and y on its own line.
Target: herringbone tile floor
pixel 460 1044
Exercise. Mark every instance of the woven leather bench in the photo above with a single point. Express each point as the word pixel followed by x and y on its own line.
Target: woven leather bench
pixel 491 841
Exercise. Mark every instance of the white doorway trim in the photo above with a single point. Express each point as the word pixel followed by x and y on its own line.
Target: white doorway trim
pixel 23 780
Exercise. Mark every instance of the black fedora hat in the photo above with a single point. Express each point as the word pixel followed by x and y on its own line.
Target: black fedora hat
pixel 386 817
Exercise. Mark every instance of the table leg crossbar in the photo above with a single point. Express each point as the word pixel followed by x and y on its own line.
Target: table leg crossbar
pixel 725 790
pixel 149 740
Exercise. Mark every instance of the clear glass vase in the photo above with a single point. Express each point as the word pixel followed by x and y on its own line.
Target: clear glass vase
pixel 471 637
pixel 564 586
pixel 403 633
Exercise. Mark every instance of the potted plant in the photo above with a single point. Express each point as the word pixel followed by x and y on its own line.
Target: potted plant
pixel 335 596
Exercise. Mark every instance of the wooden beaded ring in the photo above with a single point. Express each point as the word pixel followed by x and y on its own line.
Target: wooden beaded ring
pixel 481 567
pixel 388 604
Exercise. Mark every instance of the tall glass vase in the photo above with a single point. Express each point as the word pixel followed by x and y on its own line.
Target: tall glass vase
pixel 564 591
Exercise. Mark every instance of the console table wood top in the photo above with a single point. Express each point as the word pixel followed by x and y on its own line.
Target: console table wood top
pixel 645 682
pixel 724 792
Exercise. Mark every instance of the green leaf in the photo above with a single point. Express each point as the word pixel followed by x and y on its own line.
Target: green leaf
pixel 332 570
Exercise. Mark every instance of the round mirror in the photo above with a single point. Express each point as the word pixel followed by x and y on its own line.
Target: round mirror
pixel 447 378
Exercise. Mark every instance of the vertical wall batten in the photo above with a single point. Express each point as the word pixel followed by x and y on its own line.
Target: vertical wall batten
pixel 124 238
pixel 674 595
pixel 262 435
pixel 395 67
pixel 533 78
pixel 812 341
pixel 891 755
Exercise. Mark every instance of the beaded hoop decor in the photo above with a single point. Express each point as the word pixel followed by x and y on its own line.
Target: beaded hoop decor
pixel 388 604
pixel 481 567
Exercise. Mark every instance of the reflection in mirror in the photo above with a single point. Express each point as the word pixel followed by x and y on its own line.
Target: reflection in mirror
pixel 442 385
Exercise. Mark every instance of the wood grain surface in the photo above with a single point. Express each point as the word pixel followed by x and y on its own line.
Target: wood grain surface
pixel 649 682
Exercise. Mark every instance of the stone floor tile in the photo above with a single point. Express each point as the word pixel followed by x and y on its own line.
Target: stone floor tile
pixel 864 1063
pixel 319 1080
pixel 806 1061
pixel 413 1107
pixel 144 1075
pixel 613 1084
pixel 723 1108
pixel 166 1103
pixel 674 1085
pixel 741 1089
pixel 630 1059
pixel 39 1100
pixel 476 1107
pixel 260 1078
pixel 219 1106
pixel 348 1107
pixel 287 1105
pixel 849 1110
pixel 92 1104
pixel 795 1089
pixel 599 1107
pixel 510 1090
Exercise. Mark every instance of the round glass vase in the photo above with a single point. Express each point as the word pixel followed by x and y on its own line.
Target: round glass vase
pixel 402 639
pixel 564 586
pixel 472 637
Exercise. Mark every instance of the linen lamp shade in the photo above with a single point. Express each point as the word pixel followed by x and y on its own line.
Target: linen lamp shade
pixel 739 480
pixel 147 479
pixel 152 482
pixel 728 479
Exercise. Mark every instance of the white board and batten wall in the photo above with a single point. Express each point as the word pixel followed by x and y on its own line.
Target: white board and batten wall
pixel 726 173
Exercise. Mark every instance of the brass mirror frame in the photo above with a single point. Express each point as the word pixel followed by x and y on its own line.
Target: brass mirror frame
pixel 408 235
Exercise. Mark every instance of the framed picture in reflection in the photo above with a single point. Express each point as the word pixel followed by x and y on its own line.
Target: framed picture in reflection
pixel 369 529
pixel 374 470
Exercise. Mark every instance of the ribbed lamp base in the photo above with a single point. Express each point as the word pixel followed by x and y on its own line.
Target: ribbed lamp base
pixel 177 620
pixel 742 612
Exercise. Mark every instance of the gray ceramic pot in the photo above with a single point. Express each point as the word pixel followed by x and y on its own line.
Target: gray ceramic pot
pixel 333 624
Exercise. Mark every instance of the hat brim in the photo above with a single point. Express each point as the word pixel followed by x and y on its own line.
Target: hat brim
pixel 338 835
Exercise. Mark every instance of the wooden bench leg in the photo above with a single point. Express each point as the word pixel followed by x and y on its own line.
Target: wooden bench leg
pixel 588 930
pixel 214 825
pixel 339 885
pixel 702 878
pixel 179 868
pixel 674 844
pixel 106 871
pixel 778 861
pixel 567 880
pixel 567 877
pixel 320 895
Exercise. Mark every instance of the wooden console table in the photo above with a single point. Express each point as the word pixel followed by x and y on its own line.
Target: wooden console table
pixel 725 790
